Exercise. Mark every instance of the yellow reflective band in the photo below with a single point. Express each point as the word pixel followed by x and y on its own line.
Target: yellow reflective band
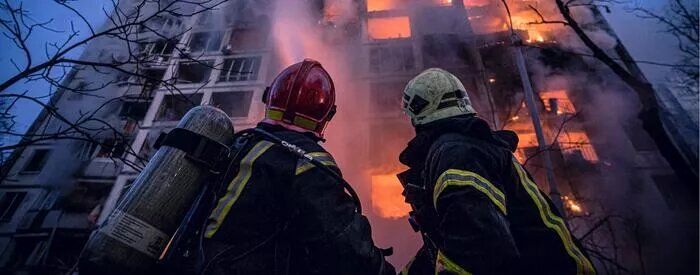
pixel 274 114
pixel 234 189
pixel 325 159
pixel 406 269
pixel 444 263
pixel 554 222
pixel 455 177
pixel 305 123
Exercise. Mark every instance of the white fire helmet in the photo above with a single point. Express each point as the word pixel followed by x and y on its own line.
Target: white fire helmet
pixel 435 94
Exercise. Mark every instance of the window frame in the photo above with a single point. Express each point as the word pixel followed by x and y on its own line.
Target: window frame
pixel 160 110
pixel 14 205
pixel 43 161
pixel 205 80
pixel 208 44
pixel 248 96
pixel 225 75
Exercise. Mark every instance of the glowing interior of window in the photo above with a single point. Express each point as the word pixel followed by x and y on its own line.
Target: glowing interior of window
pixel 387 200
pixel 389 27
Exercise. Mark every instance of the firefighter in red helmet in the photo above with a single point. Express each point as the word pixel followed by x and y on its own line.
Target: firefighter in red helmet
pixel 280 214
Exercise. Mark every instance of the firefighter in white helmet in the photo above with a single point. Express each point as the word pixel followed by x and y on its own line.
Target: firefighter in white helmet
pixel 478 209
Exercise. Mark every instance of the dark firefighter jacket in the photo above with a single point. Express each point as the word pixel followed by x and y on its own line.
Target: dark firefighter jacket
pixel 281 215
pixel 481 211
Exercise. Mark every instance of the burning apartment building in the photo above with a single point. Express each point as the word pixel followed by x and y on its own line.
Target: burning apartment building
pixel 620 196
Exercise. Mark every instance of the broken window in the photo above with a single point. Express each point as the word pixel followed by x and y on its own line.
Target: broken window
pixel 235 104
pixel 9 202
pixel 205 41
pixel 174 107
pixel 389 27
pixel 194 72
pixel 386 98
pixel 158 51
pixel 391 59
pixel 37 161
pixel 240 69
pixel 245 39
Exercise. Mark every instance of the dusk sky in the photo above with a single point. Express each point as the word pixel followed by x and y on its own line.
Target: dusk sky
pixel 644 39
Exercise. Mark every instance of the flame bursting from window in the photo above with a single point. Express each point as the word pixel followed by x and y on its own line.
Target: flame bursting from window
pixel 389 27
pixel 387 200
pixel 577 141
pixel 557 101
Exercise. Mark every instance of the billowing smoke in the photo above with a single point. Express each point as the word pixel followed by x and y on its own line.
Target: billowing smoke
pixel 640 233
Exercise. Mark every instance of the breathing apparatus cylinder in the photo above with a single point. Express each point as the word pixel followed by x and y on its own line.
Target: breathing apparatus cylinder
pixel 139 229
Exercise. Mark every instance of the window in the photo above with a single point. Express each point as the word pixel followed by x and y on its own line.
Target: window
pixel 174 107
pixel 85 196
pixel 111 148
pixel 147 149
pixel 389 27
pixel 381 5
pixel 391 59
pixel 235 104
pixel 194 72
pixel 575 144
pixel 37 161
pixel 134 109
pixel 9 202
pixel 557 102
pixel 151 81
pixel 240 69
pixel 205 41
pixel 245 39
pixel 158 51
pixel 87 150
pixel 386 98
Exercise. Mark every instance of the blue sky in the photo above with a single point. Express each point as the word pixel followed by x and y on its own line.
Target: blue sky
pixel 41 11
pixel 644 39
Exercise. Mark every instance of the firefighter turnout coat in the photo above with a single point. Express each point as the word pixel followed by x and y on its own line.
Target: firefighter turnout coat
pixel 281 215
pixel 479 210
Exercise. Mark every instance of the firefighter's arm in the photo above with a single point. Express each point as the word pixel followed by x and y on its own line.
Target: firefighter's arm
pixel 472 212
pixel 338 239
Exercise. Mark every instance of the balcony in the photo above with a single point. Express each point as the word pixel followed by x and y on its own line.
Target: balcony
pixel 101 168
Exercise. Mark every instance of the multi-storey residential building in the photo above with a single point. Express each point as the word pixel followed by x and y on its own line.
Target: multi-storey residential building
pixel 54 192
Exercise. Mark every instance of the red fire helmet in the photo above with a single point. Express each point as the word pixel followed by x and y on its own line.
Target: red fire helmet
pixel 301 98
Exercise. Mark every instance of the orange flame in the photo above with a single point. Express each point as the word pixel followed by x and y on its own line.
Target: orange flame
pixel 387 200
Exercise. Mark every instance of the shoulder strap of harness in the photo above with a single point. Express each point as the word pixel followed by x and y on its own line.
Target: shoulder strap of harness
pixel 299 152
pixel 199 148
